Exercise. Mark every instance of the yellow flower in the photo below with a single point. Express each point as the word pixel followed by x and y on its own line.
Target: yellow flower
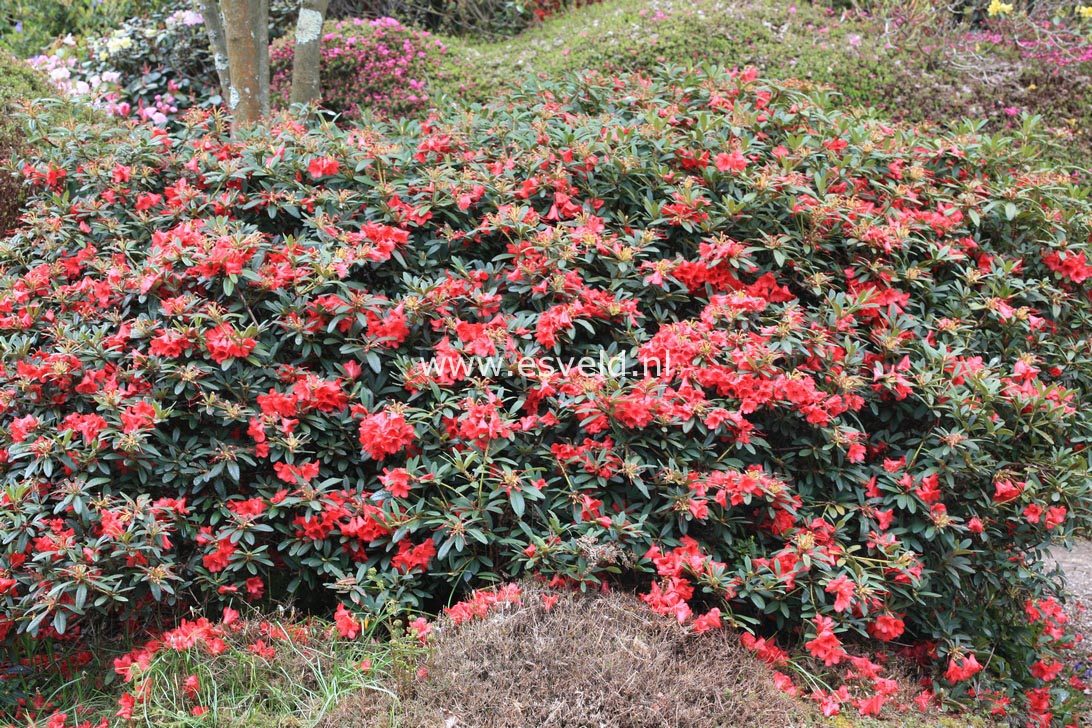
pixel 1085 11
pixel 117 43
pixel 999 8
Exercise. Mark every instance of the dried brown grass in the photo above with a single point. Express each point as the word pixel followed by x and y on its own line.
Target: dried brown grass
pixel 602 661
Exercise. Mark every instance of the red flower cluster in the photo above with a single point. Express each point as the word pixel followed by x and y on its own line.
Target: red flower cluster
pixel 385 433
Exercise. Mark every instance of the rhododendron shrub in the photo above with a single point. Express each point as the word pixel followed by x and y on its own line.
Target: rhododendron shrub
pixel 377 66
pixel 774 364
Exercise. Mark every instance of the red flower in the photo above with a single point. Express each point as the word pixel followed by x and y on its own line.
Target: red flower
pixel 924 699
pixel 709 620
pixel 734 161
pixel 1055 516
pixel 385 433
pixel 261 649
pixel 397 482
pixel 347 625
pixel 322 166
pixel 88 426
pixel 21 427
pixel 826 646
pixel 483 423
pixel 219 559
pixel 961 668
pixel 255 587
pixel 421 628
pixel 139 416
pixel 147 200
pixel 411 557
pixel 1047 670
pixel 830 704
pixel 224 342
pixel 126 704
pixel 843 588
pixel 278 404
pixel 886 627
pixel 247 509
pixel 870 705
pixel 289 473
pixel 170 344
pixel 785 684
pixel 191 685
pixel 1006 490
pixel 482 601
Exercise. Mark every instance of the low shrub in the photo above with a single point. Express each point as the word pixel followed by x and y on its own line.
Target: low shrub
pixel 375 66
pixel 950 77
pixel 480 19
pixel 774 364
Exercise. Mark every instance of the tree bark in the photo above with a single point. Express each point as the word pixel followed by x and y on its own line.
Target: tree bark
pixel 247 28
pixel 262 24
pixel 306 72
pixel 214 26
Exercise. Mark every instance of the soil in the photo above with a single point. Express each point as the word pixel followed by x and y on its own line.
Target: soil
pixel 1077 565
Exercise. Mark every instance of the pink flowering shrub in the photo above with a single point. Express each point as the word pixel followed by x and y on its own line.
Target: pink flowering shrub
pixel 698 333
pixel 375 66
pixel 149 68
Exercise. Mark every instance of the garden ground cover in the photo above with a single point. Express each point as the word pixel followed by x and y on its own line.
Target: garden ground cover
pixel 558 659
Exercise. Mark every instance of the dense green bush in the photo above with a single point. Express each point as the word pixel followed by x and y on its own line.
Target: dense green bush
pixel 19 85
pixel 28 26
pixel 849 404
pixel 472 18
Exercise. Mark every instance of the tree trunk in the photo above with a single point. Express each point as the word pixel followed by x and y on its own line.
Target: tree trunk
pixel 306 74
pixel 262 20
pixel 214 25
pixel 247 25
